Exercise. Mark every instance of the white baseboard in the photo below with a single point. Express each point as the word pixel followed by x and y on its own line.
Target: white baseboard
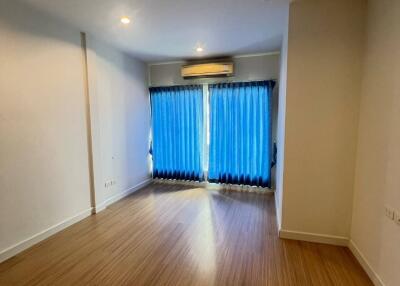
pixel 25 244
pixel 335 240
pixel 277 211
pixel 98 208
pixel 365 264
pixel 314 237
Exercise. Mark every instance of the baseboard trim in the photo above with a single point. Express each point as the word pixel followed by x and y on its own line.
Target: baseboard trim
pixel 103 205
pixel 277 211
pixel 365 264
pixel 314 237
pixel 25 244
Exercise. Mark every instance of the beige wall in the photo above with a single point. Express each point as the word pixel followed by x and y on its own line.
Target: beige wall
pixel 323 87
pixel 377 181
pixel 248 68
pixel 120 120
pixel 44 169
pixel 43 154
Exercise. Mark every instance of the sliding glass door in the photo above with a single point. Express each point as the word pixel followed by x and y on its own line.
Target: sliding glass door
pixel 177 125
pixel 240 133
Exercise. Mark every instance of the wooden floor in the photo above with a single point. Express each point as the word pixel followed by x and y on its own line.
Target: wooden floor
pixel 179 235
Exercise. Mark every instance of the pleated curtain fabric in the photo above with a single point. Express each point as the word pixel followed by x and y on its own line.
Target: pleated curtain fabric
pixel 177 132
pixel 240 133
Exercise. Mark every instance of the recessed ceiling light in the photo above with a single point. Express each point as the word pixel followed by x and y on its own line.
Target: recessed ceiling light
pixel 199 49
pixel 125 20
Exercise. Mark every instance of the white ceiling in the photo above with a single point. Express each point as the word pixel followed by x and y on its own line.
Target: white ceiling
pixel 164 30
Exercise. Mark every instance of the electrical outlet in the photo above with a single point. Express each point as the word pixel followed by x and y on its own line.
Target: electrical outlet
pixel 389 212
pixel 397 217
pixel 109 183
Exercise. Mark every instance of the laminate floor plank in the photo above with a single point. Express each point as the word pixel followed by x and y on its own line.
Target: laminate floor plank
pixel 174 235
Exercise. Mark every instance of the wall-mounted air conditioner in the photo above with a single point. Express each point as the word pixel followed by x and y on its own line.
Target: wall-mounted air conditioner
pixel 216 69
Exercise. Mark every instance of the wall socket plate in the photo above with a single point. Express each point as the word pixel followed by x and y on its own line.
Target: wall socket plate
pixel 397 217
pixel 389 212
pixel 109 183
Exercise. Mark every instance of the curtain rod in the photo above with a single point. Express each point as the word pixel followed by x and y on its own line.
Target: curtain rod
pixel 214 82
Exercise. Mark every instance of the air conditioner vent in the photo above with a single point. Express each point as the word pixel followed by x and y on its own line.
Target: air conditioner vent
pixel 217 69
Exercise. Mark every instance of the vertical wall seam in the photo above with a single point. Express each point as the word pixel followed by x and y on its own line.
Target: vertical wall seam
pixel 88 121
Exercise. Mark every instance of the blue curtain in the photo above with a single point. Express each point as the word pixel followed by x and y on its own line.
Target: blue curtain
pixel 240 133
pixel 177 126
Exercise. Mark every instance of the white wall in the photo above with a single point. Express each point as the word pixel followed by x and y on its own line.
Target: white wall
pixel 246 68
pixel 325 48
pixel 281 115
pixel 249 68
pixel 44 166
pixel 43 154
pixel 120 120
pixel 377 180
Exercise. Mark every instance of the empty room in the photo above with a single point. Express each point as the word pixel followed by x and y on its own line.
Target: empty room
pixel 213 142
